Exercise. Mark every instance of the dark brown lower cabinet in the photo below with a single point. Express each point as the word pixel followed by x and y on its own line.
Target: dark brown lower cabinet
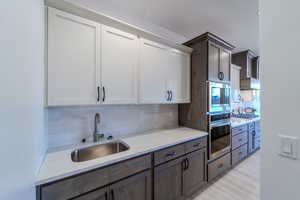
pixel 194 177
pixel 219 166
pixel 179 178
pixel 137 187
pixel 168 180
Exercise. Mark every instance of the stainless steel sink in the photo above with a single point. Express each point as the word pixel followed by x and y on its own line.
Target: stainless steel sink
pixel 97 151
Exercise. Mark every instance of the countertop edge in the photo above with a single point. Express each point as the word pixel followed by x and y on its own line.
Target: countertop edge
pixel 241 123
pixel 114 161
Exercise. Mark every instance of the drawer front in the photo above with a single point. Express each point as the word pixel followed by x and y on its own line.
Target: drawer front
pixel 71 187
pixel 219 166
pixel 239 129
pixel 195 145
pixel 129 167
pixel 168 154
pixel 239 154
pixel 239 140
pixel 251 126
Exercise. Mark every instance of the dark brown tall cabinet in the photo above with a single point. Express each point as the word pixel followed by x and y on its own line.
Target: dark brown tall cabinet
pixel 219 61
pixel 249 63
pixel 211 61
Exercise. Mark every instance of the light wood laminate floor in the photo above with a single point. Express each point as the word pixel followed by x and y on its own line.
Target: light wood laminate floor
pixel 241 183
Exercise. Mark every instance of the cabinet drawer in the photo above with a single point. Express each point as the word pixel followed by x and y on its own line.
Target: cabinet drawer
pixel 239 154
pixel 251 126
pixel 168 154
pixel 219 166
pixel 239 129
pixel 195 145
pixel 74 186
pixel 129 167
pixel 239 140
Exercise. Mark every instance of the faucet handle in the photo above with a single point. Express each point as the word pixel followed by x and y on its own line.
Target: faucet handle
pixel 110 137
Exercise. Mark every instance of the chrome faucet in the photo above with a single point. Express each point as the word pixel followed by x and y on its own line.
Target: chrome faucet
pixel 97 135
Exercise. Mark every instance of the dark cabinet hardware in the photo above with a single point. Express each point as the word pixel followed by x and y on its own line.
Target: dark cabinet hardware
pixel 171 92
pixel 197 145
pixel 187 163
pixel 104 94
pixel 98 94
pixel 169 95
pixel 241 139
pixel 173 153
pixel 112 195
pixel 220 165
pixel 221 76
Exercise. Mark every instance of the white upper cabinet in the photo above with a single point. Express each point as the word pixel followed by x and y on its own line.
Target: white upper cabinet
pixel 119 62
pixel 153 73
pixel 90 63
pixel 73 62
pixel 179 76
pixel 164 74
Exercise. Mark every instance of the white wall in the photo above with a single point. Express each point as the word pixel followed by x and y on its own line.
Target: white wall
pixel 112 10
pixel 21 97
pixel 280 66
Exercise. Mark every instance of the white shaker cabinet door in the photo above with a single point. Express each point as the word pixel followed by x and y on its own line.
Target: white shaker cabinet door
pixel 119 62
pixel 179 76
pixel 73 59
pixel 153 73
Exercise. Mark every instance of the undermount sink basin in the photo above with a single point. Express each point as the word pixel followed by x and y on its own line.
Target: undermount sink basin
pixel 97 151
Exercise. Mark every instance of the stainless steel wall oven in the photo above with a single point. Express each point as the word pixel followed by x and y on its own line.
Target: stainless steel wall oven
pixel 219 135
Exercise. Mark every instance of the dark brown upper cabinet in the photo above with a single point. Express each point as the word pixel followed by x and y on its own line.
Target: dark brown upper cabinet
pixel 216 54
pixel 249 62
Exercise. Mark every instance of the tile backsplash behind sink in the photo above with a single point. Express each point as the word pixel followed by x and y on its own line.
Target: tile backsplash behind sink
pixel 69 125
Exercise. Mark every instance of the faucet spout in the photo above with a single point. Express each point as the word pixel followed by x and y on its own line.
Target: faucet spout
pixel 97 135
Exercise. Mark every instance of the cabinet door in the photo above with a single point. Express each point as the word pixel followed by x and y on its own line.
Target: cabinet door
pixel 73 59
pixel 137 187
pixel 168 181
pixel 213 62
pixel 179 80
pixel 153 72
pixel 194 177
pixel 99 194
pixel 225 64
pixel 119 53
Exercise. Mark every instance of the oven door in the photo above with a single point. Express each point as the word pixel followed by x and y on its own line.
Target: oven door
pixel 219 140
pixel 219 97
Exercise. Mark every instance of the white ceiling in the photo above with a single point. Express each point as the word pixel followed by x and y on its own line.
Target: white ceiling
pixel 236 21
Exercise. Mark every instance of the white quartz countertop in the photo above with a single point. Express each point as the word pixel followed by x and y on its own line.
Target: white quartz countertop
pixel 58 164
pixel 235 122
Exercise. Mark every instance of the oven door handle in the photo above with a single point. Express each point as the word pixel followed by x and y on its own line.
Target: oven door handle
pixel 219 124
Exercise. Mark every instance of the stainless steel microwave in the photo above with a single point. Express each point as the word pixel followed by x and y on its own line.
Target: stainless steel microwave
pixel 218 97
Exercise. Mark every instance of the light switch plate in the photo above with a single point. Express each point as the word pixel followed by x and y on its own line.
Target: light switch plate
pixel 288 146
